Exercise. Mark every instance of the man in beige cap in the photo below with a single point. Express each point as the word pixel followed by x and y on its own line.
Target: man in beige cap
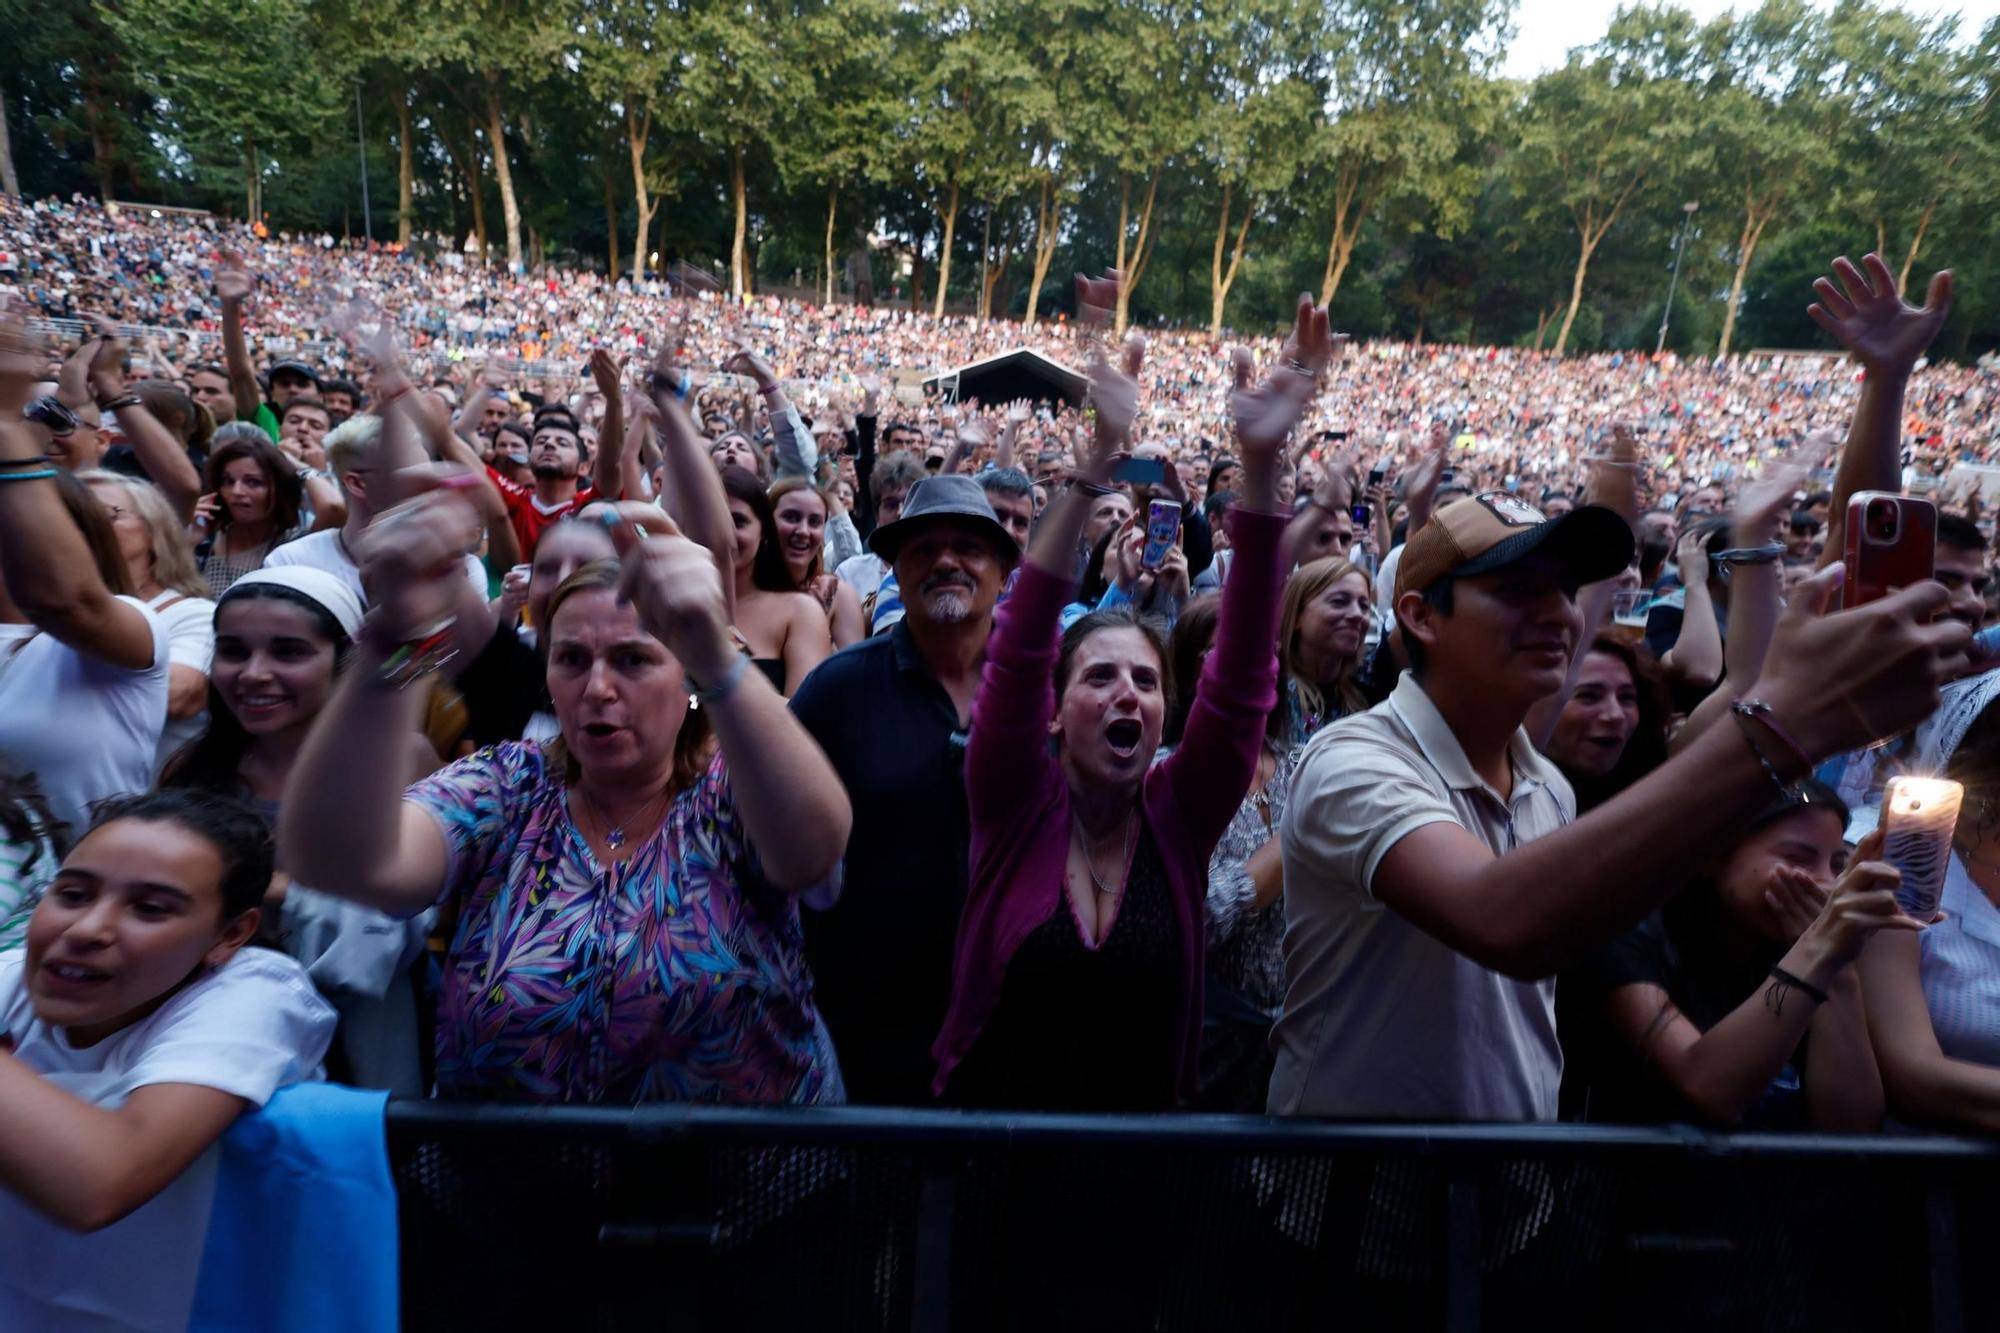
pixel 1435 872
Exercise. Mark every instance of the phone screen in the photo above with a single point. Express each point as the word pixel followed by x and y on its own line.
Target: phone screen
pixel 1140 471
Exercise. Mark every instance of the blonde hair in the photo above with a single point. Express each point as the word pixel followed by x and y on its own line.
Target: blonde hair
pixel 173 557
pixel 349 444
pixel 1307 582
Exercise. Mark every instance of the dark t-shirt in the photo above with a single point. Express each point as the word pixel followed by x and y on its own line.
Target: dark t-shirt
pixel 1604 1078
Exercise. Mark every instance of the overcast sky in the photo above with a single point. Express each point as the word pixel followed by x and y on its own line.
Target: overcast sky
pixel 1549 28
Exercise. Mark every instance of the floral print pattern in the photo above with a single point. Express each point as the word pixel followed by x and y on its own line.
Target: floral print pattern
pixel 676 976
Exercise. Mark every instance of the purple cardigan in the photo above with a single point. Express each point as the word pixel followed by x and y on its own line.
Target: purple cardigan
pixel 1019 800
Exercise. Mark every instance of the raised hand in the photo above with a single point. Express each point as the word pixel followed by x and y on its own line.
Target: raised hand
pixel 605 372
pixel 1795 898
pixel 673 585
pixel 1096 298
pixel 1850 679
pixel 1114 391
pixel 1869 317
pixel 412 559
pixel 1862 902
pixel 107 359
pixel 1765 504
pixel 743 361
pixel 1311 345
pixel 233 281
pixel 1266 414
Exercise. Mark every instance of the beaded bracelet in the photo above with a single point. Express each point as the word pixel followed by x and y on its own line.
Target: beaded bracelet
pixel 1756 710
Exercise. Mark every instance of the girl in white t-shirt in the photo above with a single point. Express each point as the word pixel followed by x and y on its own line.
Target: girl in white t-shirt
pixel 139 1027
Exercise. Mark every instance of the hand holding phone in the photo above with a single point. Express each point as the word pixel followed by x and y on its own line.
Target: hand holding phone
pixel 1140 472
pixel 1163 526
pixel 1891 543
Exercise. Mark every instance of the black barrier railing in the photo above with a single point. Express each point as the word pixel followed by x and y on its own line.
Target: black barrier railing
pixel 584 1218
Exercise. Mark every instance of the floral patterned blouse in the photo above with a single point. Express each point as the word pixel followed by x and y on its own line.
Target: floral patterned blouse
pixel 677 976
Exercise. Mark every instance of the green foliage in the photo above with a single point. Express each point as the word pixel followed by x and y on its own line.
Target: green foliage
pixel 1228 156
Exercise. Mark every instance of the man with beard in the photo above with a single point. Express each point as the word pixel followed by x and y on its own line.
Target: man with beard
pixel 892 712
pixel 555 456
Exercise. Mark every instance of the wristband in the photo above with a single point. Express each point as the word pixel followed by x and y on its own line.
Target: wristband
pixel 406 662
pixel 1749 555
pixel 123 400
pixel 40 474
pixel 722 689
pixel 1799 984
pixel 1756 710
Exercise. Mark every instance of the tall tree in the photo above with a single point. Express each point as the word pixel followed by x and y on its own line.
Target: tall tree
pixel 1397 74
pixel 1591 140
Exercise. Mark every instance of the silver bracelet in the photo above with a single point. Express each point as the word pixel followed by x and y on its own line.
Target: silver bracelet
pixel 1749 555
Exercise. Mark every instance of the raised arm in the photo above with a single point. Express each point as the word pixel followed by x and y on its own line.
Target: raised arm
pixel 1724 1070
pixel 797 455
pixel 1753 595
pixel 481 387
pixel 1866 313
pixel 690 488
pixel 793 806
pixel 607 469
pixel 1696 656
pixel 48 567
pixel 158 452
pixel 1834 682
pixel 233 284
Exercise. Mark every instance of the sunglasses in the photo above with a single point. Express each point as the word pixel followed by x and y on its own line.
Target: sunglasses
pixel 47 411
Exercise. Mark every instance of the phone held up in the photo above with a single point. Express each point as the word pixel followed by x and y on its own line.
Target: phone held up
pixel 1163 528
pixel 1891 543
pixel 1140 472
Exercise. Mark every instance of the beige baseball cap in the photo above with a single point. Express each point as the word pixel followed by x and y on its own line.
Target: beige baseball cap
pixel 1482 533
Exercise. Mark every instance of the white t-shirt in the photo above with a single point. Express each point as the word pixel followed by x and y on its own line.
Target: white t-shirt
pixel 250 1027
pixel 190 626
pixel 323 550
pixel 86 729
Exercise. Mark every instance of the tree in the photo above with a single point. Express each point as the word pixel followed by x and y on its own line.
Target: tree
pixel 227 70
pixel 1397 75
pixel 1593 137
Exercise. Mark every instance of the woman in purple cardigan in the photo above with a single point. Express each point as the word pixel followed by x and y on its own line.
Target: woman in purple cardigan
pixel 1077 980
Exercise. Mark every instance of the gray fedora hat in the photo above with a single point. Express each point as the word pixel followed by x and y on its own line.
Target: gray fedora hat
pixel 951 500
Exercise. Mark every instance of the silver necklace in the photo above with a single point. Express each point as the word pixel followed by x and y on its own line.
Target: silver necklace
pixel 1090 862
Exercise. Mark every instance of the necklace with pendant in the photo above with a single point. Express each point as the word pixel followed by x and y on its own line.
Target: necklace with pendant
pixel 614 834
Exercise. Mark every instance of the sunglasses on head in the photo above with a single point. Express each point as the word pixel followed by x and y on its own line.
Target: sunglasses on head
pixel 49 412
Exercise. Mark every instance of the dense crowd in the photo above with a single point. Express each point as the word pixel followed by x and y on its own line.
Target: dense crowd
pixel 727 718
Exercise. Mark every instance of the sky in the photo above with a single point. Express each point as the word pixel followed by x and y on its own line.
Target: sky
pixel 1549 28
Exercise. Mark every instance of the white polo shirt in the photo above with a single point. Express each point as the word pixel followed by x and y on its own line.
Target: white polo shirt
pixel 1381 1020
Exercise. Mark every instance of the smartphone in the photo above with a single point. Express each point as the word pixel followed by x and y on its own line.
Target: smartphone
pixel 1375 475
pixel 1918 817
pixel 1163 525
pixel 1361 513
pixel 1333 434
pixel 1141 472
pixel 1891 543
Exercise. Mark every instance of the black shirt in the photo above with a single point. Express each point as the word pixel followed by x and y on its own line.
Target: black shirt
pixel 882 957
pixel 1678 949
pixel 504 686
pixel 1083 1029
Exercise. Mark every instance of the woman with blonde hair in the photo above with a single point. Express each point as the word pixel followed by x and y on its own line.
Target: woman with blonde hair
pixel 160 568
pixel 1322 642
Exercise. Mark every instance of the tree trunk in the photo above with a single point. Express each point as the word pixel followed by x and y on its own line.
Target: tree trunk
pixel 1350 213
pixel 1541 326
pixel 1141 245
pixel 1754 222
pixel 1575 294
pixel 996 266
pixel 250 200
pixel 9 182
pixel 478 191
pixel 637 130
pixel 1881 235
pixel 406 168
pixel 739 281
pixel 1045 244
pixel 1221 280
pixel 1917 241
pixel 944 251
pixel 832 210
pixel 510 207
pixel 611 227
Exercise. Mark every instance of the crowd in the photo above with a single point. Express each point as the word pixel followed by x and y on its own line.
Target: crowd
pixel 729 721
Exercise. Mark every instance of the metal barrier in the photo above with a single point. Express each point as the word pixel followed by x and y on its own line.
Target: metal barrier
pixel 857 1218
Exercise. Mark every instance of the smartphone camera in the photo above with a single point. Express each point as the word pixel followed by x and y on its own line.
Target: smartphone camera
pixel 1882 521
pixel 1362 514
